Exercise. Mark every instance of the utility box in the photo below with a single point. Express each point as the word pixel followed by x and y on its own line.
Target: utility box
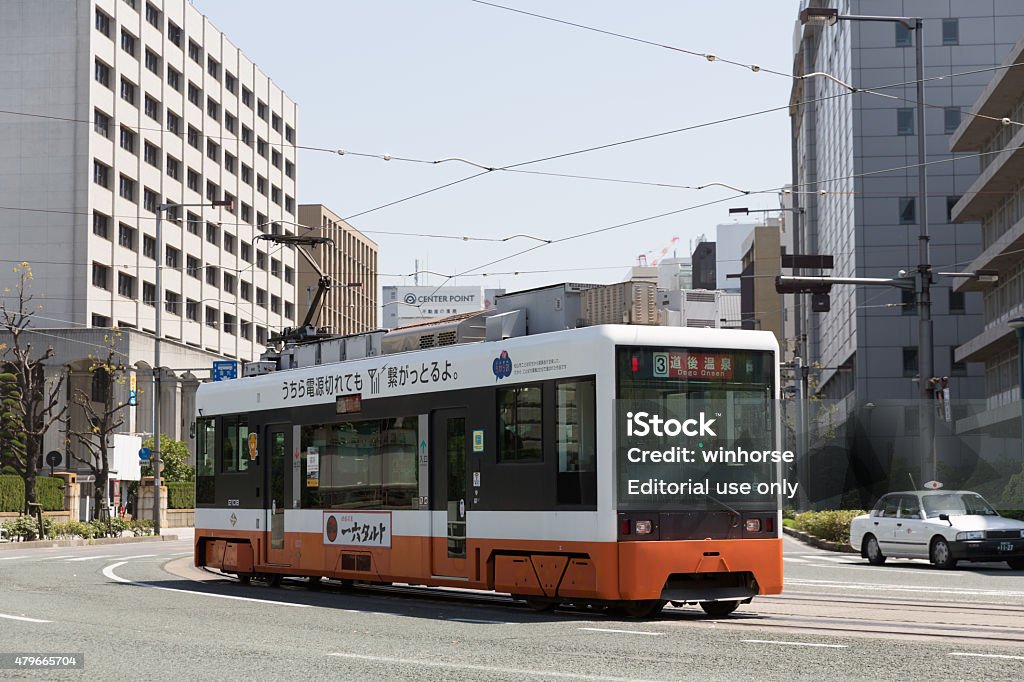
pixel 622 303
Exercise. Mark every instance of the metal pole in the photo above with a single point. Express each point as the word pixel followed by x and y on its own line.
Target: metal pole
pixel 156 373
pixel 1020 363
pixel 803 456
pixel 925 355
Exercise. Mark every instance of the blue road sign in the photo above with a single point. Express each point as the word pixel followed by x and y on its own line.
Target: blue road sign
pixel 144 454
pixel 225 369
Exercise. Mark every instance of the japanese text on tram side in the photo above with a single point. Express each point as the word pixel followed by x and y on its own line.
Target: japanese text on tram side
pixel 364 532
pixel 397 376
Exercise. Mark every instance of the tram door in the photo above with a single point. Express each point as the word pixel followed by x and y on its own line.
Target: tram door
pixel 449 445
pixel 278 447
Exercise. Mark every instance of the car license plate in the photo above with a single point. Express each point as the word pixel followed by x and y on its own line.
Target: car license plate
pixel 1005 546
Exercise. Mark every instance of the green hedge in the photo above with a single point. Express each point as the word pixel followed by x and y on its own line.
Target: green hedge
pixel 181 495
pixel 50 492
pixel 833 525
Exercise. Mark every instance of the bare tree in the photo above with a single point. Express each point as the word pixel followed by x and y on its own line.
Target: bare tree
pixel 104 416
pixel 39 399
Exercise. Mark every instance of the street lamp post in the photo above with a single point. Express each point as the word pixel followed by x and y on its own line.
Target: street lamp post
pixel 158 303
pixel 925 351
pixel 1017 324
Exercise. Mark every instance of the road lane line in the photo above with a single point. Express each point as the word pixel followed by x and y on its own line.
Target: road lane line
pixel 109 573
pixel 137 556
pixel 550 674
pixel 90 558
pixel 8 558
pixel 814 644
pixel 1015 658
pixel 624 632
pixel 832 584
pixel 27 620
pixel 795 560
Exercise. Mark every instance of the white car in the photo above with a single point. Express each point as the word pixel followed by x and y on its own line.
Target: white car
pixel 943 526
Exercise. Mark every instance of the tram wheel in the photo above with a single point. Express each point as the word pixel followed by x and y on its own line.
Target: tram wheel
pixel 274 579
pixel 244 578
pixel 315 582
pixel 642 608
pixel 540 604
pixel 717 609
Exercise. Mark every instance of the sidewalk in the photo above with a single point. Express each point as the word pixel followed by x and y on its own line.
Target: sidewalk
pixel 182 533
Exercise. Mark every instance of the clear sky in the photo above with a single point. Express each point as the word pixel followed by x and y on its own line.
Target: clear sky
pixel 454 78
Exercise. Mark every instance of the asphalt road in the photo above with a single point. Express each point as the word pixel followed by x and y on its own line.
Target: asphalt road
pixel 141 610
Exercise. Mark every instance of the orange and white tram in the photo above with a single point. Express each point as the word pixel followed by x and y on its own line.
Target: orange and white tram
pixel 496 465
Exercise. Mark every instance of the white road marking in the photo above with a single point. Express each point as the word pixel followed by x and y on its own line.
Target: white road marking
pixel 1015 658
pixel 549 674
pixel 27 620
pixel 902 588
pixel 8 558
pixel 109 573
pixel 624 632
pixel 814 644
pixel 795 560
pixel 90 558
pixel 137 556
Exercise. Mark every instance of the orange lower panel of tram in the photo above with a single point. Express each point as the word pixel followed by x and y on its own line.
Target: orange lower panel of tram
pixel 584 570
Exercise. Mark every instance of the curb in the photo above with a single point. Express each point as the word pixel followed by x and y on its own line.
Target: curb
pixel 818 542
pixel 32 544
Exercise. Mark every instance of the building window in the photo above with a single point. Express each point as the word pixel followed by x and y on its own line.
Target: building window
pixel 212 275
pixel 100 320
pixel 192 266
pixel 174 33
pixel 103 23
pixel 275 304
pixel 101 123
pixel 247 97
pixel 212 109
pixel 289 204
pixel 246 174
pixel 951 119
pixel 126 188
pixel 261 147
pixel 100 276
pixel 910 361
pixel 261 223
pixel 193 181
pixel 904 120
pixel 275 122
pixel 289 274
pixel 904 36
pixel 229 283
pixel 212 191
pixel 289 310
pixel 289 169
pixel 213 151
pixel 246 330
pixel 195 94
pixel 261 109
pixel 275 267
pixel 152 108
pixel 247 135
pixel 261 259
pixel 126 236
pixel 289 134
pixel 128 91
pixel 172 302
pixel 261 335
pixel 951 202
pixel 229 324
pixel 213 67
pixel 909 302
pixel 261 298
pixel 192 310
pixel 149 246
pixel 229 163
pixel 153 61
pixel 247 213
pixel 101 174
pixel 951 31
pixel 129 43
pixel 173 167
pixel 128 140
pixel 101 224
pixel 102 73
pixel 957 303
pixel 275 194
pixel 275 158
pixel 519 424
pixel 212 233
pixel 230 83
pixel 211 317
pixel 956 369
pixel 195 138
pixel 150 199
pixel 174 123
pixel 230 122
pixel 174 78
pixel 245 290
pixel 195 52
pixel 908 212
pixel 125 285
pixel 153 15
pixel 172 257
pixel 229 242
pixel 261 185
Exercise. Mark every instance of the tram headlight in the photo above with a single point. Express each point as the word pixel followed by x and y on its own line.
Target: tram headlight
pixel 753 525
pixel 643 527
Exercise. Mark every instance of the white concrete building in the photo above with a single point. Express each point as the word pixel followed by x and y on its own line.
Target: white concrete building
pixel 123 105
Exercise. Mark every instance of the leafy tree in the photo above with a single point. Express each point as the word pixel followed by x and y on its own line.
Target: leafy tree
pixel 105 417
pixel 174 456
pixel 37 402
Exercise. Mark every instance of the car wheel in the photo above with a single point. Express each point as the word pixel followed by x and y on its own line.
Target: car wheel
pixel 941 555
pixel 873 552
pixel 719 609
pixel 1016 564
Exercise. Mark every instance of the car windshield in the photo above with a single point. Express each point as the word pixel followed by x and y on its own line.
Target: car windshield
pixel 957 504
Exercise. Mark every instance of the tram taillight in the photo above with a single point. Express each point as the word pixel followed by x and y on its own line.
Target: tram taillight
pixel 625 527
pixel 635 364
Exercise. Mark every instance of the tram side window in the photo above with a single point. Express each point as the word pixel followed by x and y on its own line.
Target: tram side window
pixel 233 444
pixel 206 442
pixel 368 464
pixel 520 415
pixel 576 433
